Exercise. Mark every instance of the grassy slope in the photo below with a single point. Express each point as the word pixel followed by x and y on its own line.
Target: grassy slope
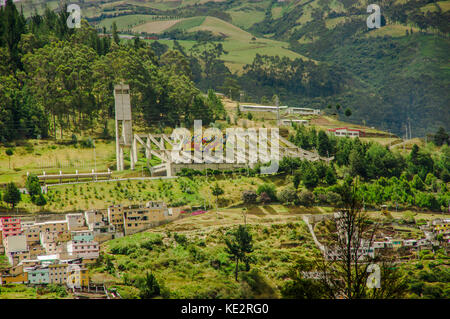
pixel 189 272
pixel 239 44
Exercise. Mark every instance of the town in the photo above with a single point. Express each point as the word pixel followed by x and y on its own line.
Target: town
pixel 43 252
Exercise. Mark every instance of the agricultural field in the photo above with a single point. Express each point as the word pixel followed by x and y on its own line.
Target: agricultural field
pixel 181 191
pixel 241 46
pixel 36 156
pixel 391 30
pixel 125 23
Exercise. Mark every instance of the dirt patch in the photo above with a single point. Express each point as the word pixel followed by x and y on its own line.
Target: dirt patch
pixel 256 211
pixel 320 121
pixel 270 210
pixel 304 210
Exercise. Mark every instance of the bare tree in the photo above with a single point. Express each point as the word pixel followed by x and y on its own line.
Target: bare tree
pixel 348 264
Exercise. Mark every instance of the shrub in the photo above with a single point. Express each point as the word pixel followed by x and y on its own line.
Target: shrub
pixel 87 142
pixel 269 189
pixel 333 198
pixel 306 198
pixel 74 139
pixel 123 249
pixel 249 197
pixel 287 195
pixel 181 239
pixel 148 287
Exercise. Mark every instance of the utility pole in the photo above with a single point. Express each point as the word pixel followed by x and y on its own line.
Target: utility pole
pixel 410 134
pixel 95 157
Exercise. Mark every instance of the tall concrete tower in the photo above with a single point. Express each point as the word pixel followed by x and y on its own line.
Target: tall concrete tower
pixel 123 116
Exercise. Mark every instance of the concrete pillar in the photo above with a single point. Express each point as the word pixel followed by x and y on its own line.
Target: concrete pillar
pixel 149 146
pixel 117 147
pixel 134 149
pixel 132 156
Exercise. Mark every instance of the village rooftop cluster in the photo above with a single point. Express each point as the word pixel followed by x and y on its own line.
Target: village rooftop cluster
pixel 59 251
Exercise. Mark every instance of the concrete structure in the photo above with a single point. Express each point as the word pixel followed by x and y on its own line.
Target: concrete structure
pixel 10 226
pixel 58 273
pixel 115 217
pixel 81 249
pixel 16 243
pixel 289 122
pixel 75 222
pixel 38 275
pixel 52 226
pixel 261 108
pixel 137 218
pixel 303 111
pixel 123 116
pixel 83 235
pixel 75 176
pixel 343 131
pixel 32 232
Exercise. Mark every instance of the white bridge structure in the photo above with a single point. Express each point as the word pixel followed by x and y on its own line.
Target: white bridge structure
pixel 244 148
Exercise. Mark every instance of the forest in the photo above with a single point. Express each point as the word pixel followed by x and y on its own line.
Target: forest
pixel 56 78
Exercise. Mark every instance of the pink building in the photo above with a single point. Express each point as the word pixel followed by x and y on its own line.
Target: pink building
pixel 10 226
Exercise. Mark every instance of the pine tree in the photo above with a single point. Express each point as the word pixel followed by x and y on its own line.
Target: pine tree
pixel 115 35
pixel 239 245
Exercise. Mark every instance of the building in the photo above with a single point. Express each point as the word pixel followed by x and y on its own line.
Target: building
pixel 83 235
pixel 52 226
pixel 78 277
pixel 138 217
pixel 98 223
pixel 289 122
pixel 15 243
pixel 94 217
pixel 303 111
pixel 260 108
pixel 32 232
pixel 58 273
pixel 82 249
pixel 10 226
pixel 115 217
pixel 38 275
pixel 343 131
pixel 75 222
pixel 21 278
pixel 441 226
pixel 410 243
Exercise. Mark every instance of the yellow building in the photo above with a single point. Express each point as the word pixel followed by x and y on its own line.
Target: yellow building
pixel 78 278
pixel 58 273
pixel 14 279
pixel 138 217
